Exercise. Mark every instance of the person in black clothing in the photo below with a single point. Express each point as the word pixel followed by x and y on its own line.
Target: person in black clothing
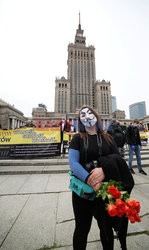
pixel 94 158
pixel 134 145
pixel 116 131
pixel 65 127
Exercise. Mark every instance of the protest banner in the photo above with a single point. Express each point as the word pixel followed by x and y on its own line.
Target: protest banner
pixel 67 137
pixel 30 142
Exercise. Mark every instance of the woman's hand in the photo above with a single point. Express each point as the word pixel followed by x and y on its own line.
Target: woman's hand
pixel 96 177
pixel 97 186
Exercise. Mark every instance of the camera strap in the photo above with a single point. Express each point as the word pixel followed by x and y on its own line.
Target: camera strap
pixel 99 143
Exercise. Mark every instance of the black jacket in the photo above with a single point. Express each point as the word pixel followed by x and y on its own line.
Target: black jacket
pixel 115 168
pixel 117 133
pixel 133 136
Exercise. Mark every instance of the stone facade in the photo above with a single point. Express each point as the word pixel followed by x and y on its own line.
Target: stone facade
pixel 103 98
pixel 62 95
pixel 118 114
pixel 10 117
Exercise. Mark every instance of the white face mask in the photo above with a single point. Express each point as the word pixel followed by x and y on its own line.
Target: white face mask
pixel 87 117
pixel 136 125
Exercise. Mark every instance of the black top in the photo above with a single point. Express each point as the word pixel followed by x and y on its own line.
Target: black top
pixel 77 143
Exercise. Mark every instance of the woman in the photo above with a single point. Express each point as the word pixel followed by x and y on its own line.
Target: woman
pixel 94 158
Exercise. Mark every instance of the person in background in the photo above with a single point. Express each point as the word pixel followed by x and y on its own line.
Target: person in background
pixel 72 128
pixel 116 131
pixel 141 127
pixel 64 127
pixel 134 145
pixel 94 158
pixel 54 125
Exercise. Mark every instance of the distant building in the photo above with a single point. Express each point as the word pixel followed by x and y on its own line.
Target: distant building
pixel 103 98
pixel 62 95
pixel 10 117
pixel 118 115
pixel 41 105
pixel 137 110
pixel 114 104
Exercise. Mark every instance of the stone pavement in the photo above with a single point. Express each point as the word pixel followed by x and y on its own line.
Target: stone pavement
pixel 36 211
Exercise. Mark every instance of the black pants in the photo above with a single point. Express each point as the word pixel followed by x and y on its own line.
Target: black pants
pixel 62 144
pixel 84 210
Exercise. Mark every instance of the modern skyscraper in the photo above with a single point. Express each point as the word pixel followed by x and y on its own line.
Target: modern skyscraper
pixel 137 110
pixel 113 101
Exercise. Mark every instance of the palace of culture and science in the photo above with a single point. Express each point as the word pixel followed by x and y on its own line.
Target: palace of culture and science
pixel 81 87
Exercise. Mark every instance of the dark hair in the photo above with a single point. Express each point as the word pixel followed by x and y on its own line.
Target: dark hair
pixel 135 121
pixel 82 130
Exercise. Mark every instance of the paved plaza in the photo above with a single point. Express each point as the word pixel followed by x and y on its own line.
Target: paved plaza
pixel 36 211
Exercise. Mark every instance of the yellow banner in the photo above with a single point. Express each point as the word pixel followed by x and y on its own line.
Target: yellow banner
pixel 67 136
pixel 30 136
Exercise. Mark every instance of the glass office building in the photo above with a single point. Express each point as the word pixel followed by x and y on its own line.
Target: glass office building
pixel 137 110
pixel 113 101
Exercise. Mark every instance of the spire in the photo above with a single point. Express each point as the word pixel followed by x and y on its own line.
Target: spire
pixel 79 38
pixel 79 26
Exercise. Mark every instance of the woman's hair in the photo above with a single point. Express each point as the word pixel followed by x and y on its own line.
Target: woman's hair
pixel 136 121
pixel 82 130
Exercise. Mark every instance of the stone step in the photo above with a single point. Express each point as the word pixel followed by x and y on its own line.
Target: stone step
pixel 51 169
pixel 53 162
pixel 34 162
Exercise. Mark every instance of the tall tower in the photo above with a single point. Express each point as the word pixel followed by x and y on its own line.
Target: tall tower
pixel 81 71
pixel 103 97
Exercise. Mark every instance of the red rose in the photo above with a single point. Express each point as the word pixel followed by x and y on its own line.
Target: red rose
pixel 132 219
pixel 137 206
pixel 127 210
pixel 137 218
pixel 113 191
pixel 130 203
pixel 117 195
pixel 130 212
pixel 112 210
pixel 120 204
pixel 120 212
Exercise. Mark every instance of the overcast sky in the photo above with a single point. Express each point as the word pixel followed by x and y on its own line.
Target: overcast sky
pixel 34 36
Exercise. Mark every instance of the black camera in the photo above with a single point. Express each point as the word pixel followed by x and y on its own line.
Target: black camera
pixel 91 165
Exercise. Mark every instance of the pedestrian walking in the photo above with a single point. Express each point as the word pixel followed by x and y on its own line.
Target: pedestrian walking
pixel 94 158
pixel 134 145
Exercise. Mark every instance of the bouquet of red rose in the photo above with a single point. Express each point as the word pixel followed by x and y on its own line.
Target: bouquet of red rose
pixel 118 202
